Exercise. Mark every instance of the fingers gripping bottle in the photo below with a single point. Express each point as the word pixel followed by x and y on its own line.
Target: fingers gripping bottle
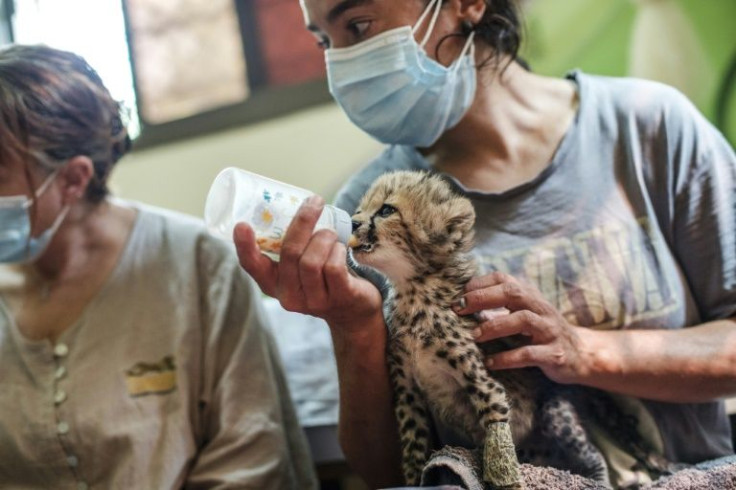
pixel 267 205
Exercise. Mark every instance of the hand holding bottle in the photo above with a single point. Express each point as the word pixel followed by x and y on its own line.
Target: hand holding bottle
pixel 312 276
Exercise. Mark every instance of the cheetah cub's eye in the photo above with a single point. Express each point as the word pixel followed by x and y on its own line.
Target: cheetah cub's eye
pixel 386 211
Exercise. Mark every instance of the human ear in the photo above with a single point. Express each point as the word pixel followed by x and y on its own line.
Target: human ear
pixel 75 177
pixel 471 10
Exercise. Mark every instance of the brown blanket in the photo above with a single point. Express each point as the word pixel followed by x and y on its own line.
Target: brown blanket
pixel 459 467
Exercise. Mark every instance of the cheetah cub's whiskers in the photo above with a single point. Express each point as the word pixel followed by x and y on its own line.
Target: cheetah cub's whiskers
pixel 415 230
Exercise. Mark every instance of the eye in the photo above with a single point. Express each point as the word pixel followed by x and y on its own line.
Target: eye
pixel 359 28
pixel 386 211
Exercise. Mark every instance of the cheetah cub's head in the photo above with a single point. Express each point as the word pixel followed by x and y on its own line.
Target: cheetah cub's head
pixel 411 224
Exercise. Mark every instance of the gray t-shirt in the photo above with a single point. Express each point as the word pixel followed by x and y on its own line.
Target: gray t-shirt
pixel 632 225
pixel 170 379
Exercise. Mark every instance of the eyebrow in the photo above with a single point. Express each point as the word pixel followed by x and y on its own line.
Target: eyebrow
pixel 343 7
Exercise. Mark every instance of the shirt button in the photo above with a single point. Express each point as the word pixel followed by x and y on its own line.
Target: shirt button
pixel 82 486
pixel 61 350
pixel 60 372
pixel 62 428
pixel 59 397
pixel 72 461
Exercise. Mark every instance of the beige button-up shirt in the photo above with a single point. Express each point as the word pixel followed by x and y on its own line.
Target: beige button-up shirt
pixel 169 380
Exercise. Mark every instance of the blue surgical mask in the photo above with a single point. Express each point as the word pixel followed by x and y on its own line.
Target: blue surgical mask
pixel 16 243
pixel 390 88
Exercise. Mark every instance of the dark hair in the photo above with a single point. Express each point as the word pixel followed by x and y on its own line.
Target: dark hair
pixel 500 28
pixel 53 107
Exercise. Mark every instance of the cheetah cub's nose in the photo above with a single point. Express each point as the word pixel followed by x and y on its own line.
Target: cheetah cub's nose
pixel 353 242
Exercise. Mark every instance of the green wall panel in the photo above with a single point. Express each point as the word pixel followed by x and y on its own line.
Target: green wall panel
pixel 595 36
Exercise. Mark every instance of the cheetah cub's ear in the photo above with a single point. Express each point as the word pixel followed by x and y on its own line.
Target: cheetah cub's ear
pixel 456 216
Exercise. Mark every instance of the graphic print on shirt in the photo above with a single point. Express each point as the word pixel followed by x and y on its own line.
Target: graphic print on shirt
pixel 606 277
pixel 146 378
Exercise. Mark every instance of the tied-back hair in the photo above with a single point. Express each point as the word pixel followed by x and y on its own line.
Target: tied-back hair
pixel 53 107
pixel 500 28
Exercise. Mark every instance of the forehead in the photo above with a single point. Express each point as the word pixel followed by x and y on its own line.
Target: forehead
pixel 396 187
pixel 321 13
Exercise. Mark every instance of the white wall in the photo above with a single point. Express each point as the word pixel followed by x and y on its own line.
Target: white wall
pixel 316 149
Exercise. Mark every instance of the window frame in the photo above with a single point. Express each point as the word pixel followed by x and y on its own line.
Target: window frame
pixel 264 102
pixel 7 8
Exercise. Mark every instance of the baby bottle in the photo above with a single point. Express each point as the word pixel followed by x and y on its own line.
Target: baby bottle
pixel 267 205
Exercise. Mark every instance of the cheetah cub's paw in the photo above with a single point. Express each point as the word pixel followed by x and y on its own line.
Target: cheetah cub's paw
pixel 500 467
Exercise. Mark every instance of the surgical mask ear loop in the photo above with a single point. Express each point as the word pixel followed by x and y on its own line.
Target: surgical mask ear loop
pixel 437 4
pixel 42 188
pixel 468 48
pixel 36 195
pixel 49 233
pixel 59 219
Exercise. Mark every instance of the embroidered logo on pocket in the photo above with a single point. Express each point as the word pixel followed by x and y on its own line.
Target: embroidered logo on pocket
pixel 151 378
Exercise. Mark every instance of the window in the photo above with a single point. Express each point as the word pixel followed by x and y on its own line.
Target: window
pixel 6 13
pixel 206 65
pixel 183 67
pixel 189 58
pixel 98 35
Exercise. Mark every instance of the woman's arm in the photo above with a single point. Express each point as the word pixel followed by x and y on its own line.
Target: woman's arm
pixel 367 429
pixel 695 364
pixel 312 277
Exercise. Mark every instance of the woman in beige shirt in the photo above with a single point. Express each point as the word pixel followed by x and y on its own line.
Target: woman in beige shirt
pixel 133 352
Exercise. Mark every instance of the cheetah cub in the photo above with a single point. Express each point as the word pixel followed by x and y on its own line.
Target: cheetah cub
pixel 413 229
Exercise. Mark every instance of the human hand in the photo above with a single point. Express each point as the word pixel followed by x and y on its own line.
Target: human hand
pixel 312 276
pixel 555 345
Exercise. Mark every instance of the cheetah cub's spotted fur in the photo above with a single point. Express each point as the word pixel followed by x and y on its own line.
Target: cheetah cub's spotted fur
pixel 411 227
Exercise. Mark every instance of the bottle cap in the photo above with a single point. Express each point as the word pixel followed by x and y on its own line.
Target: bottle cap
pixel 343 225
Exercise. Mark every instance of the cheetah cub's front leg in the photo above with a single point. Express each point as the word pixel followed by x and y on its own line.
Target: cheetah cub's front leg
pixel 412 415
pixel 488 398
